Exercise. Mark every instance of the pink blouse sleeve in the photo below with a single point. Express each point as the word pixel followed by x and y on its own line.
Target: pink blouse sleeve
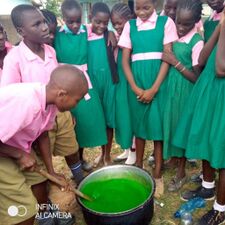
pixel 170 32
pixel 196 50
pixel 125 41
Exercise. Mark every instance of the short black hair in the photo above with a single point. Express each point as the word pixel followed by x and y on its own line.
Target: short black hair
pixel 49 16
pixel 100 7
pixel 70 4
pixel 195 6
pixel 17 14
pixel 122 10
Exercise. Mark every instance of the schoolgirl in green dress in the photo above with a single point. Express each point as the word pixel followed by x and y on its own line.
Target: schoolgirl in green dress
pixel 211 22
pixel 120 14
pixel 146 38
pixel 182 75
pixel 202 127
pixel 102 70
pixel 71 47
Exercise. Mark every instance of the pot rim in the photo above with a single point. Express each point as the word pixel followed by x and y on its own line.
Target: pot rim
pixel 123 213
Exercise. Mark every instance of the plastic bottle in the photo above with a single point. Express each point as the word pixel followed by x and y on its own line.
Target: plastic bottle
pixel 186 219
pixel 190 206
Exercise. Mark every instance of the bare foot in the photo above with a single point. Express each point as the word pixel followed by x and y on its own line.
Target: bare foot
pixel 171 163
pixel 98 161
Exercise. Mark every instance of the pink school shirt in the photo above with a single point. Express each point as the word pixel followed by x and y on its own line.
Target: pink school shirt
pixel 8 48
pixel 196 50
pixel 170 33
pixel 91 35
pixel 215 16
pixel 22 65
pixel 29 118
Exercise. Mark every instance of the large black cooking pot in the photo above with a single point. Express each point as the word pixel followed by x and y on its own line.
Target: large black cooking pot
pixel 140 215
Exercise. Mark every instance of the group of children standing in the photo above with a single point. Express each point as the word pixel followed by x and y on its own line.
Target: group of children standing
pixel 159 82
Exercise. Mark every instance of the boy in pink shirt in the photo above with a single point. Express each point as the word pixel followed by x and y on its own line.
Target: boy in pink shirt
pixel 33 61
pixel 36 106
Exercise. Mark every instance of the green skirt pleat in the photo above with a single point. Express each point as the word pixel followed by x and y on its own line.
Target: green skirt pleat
pixel 90 125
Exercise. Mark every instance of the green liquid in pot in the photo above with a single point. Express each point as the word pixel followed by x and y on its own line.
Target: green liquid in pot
pixel 115 195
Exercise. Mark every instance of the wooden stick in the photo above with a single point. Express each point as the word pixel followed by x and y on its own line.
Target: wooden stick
pixel 61 183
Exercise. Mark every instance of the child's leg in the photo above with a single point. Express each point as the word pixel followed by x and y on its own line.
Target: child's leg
pixel 179 180
pixel 158 159
pixel 74 163
pixel 108 146
pixel 140 147
pixel 171 163
pixel 217 214
pixel 207 189
pixel 208 172
pixel 221 188
pixel 181 168
pixel 40 192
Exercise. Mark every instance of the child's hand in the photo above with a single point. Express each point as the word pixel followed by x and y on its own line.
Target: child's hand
pixel 27 161
pixel 112 40
pixel 63 180
pixel 148 96
pixel 169 57
pixel 139 92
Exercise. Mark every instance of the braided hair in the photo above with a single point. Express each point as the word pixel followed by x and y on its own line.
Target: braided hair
pixel 195 6
pixel 49 16
pixel 122 10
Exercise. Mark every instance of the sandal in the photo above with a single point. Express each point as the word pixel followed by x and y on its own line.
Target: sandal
pixel 176 183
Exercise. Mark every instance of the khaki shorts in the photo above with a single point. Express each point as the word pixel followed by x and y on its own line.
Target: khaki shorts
pixel 17 202
pixel 62 136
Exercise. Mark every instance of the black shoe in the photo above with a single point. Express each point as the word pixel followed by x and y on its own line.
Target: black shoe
pixel 206 193
pixel 86 166
pixel 212 217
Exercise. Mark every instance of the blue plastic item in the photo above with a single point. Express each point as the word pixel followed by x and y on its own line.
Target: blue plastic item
pixel 190 206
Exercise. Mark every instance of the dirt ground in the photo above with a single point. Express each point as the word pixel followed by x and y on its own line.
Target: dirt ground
pixel 162 215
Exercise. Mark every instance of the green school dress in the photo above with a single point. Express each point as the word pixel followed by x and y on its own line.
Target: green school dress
pixel 123 130
pixel 90 125
pixel 146 118
pixel 100 74
pixel 178 90
pixel 202 126
pixel 209 27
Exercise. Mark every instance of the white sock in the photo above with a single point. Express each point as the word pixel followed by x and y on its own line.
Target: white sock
pixel 218 207
pixel 208 185
pixel 131 158
pixel 134 144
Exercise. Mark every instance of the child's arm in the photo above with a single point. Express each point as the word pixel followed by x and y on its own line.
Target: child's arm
pixel 191 75
pixel 210 44
pixel 11 72
pixel 44 148
pixel 112 40
pixel 25 160
pixel 127 70
pixel 220 55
